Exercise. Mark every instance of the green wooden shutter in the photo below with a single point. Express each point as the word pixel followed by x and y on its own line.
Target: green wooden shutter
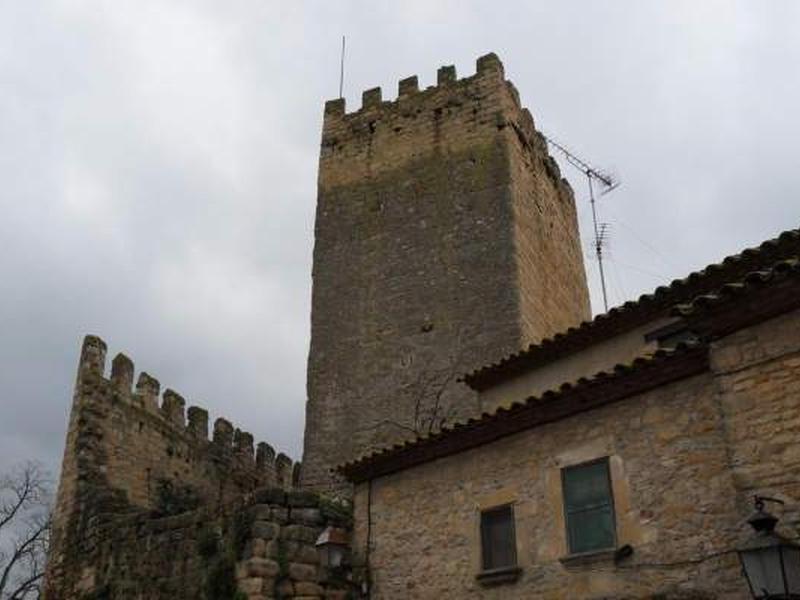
pixel 589 507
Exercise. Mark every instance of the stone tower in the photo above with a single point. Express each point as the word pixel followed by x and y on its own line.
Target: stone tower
pixel 445 238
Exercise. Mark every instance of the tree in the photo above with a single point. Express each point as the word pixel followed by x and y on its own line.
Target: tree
pixel 24 530
pixel 427 393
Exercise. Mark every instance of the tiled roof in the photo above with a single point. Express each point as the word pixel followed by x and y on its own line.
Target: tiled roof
pixel 769 290
pixel 605 387
pixel 635 313
pixel 760 295
pixel 755 280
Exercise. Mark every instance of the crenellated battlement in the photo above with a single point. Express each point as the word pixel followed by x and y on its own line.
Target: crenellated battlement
pixel 168 410
pixel 488 69
pixel 455 116
pixel 133 449
pixel 133 441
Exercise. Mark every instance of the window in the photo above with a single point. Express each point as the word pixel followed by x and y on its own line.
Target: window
pixel 588 507
pixel 498 543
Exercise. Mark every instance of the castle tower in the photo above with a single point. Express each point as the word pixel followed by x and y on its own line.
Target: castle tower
pixel 445 238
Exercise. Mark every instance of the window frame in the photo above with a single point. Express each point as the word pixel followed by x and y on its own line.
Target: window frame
pixel 513 538
pixel 611 505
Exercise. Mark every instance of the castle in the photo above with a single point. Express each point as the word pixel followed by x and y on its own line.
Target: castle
pixel 470 430
pixel 437 214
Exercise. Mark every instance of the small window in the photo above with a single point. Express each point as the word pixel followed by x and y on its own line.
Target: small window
pixel 589 507
pixel 498 543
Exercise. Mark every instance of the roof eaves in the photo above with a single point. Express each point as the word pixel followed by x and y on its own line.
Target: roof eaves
pixel 760 296
pixel 587 393
pixel 755 280
pixel 633 313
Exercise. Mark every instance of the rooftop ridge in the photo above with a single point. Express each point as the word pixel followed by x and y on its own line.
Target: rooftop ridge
pixel 634 312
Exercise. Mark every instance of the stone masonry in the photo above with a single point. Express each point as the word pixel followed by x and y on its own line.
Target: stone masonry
pixel 686 459
pixel 126 454
pixel 445 237
pixel 260 547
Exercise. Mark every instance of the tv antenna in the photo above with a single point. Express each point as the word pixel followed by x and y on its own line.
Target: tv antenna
pixel 607 184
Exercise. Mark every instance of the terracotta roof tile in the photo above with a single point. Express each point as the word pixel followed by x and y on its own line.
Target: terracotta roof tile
pixel 634 313
pixel 782 270
pixel 622 381
pixel 604 387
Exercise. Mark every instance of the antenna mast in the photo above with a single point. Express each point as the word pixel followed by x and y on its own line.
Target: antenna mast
pixel 607 184
pixel 341 71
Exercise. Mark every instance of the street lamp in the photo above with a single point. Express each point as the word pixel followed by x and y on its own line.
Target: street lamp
pixel 771 562
pixel 332 546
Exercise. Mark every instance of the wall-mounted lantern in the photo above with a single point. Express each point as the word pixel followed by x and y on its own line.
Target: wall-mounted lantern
pixel 771 562
pixel 333 548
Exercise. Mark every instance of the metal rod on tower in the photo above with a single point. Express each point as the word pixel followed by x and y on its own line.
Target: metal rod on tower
pixel 608 183
pixel 341 72
pixel 599 239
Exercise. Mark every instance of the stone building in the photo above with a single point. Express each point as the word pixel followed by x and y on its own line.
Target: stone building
pixel 613 457
pixel 618 459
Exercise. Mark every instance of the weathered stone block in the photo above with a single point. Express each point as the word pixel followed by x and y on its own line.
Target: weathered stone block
pixel 261 567
pixel 274 549
pixel 198 422
pixel 122 373
pixel 285 589
pixel 223 435
pixel 271 496
pixel 300 533
pixel 265 530
pixel 409 85
pixel 305 516
pixel 301 552
pixel 308 588
pixel 302 572
pixel 302 499
pixel 261 512
pixel 251 585
pixel 446 75
pixel 255 547
pixel 371 97
pixel 279 514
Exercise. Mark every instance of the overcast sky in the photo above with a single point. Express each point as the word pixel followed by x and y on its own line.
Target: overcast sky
pixel 158 168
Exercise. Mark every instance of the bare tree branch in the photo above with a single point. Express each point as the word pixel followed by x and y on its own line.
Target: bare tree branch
pixel 429 392
pixel 383 422
pixel 25 517
pixel 28 547
pixel 20 489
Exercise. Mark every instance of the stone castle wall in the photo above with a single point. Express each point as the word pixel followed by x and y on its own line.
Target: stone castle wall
pixel 553 294
pixel 127 450
pixel 259 547
pixel 445 238
pixel 685 459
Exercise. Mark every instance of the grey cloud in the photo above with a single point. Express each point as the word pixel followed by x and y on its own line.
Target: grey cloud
pixel 159 168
